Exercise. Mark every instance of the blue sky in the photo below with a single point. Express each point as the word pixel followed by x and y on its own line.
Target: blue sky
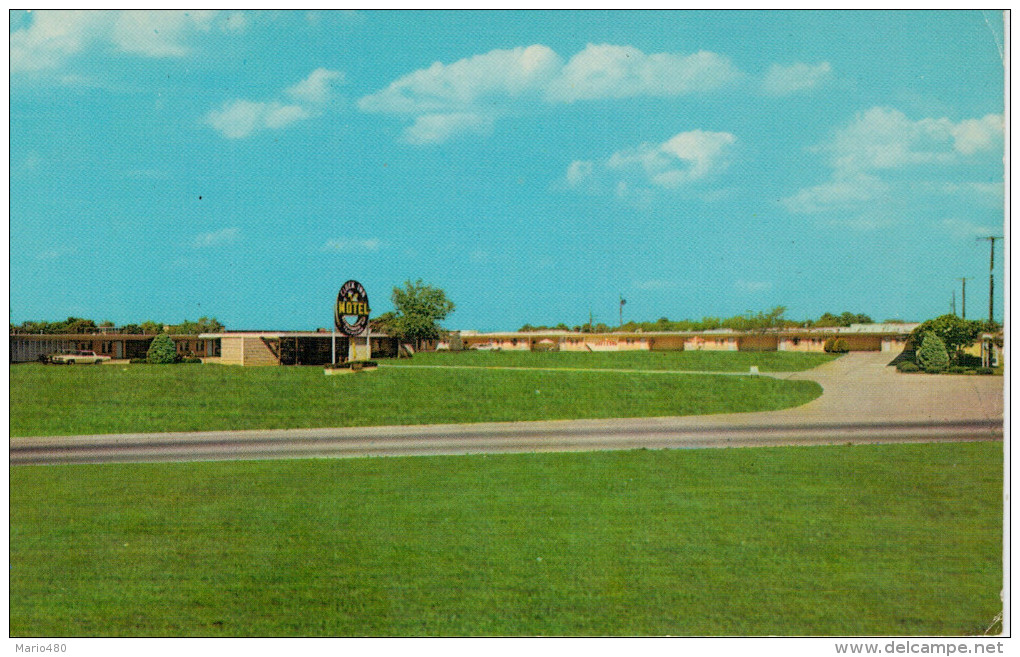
pixel 536 166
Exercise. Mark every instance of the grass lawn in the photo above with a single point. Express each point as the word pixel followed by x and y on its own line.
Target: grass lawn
pixel 53 400
pixel 844 540
pixel 694 361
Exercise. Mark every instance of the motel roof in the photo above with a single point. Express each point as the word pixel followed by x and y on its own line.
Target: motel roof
pixel 273 335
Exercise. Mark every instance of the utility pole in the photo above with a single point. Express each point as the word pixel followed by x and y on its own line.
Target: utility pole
pixel 952 304
pixel 622 302
pixel 991 277
pixel 964 279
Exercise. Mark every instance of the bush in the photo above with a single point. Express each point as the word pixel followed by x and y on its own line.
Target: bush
pixel 932 355
pixel 191 359
pixel 984 370
pixel 162 350
pixel 138 361
pixel 955 333
pixel 959 369
pixel 968 360
pixel 907 366
pixel 836 346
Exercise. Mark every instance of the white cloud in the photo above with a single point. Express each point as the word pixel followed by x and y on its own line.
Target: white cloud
pixel 608 71
pixel 316 87
pixel 884 138
pixel 975 135
pixel 352 246
pixel 636 173
pixel 845 193
pixel 436 128
pixel 782 80
pixel 871 155
pixel 236 22
pixel 753 286
pixel 686 157
pixel 580 172
pixel 491 79
pixel 158 33
pixel 470 94
pixel 241 118
pixel 53 37
pixel 216 238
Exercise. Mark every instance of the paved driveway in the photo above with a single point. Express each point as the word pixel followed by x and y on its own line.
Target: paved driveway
pixel 861 386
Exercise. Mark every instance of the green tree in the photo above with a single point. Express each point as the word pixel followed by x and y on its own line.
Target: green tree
pixel 162 350
pixel 79 325
pixel 419 309
pixel 955 333
pixel 932 356
pixel 384 323
pixel 150 326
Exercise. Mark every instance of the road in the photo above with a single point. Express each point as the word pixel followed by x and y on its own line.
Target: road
pixel 864 401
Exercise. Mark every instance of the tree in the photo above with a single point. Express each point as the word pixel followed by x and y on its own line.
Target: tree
pixel 419 309
pixel 162 350
pixel 955 333
pixel 932 356
pixel 384 323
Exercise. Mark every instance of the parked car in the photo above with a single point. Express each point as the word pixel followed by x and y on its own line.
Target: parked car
pixel 72 357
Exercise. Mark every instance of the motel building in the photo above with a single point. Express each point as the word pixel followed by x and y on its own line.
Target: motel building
pixel 859 337
pixel 248 348
pixel 28 347
pixel 228 348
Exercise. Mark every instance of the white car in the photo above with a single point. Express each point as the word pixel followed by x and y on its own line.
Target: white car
pixel 72 357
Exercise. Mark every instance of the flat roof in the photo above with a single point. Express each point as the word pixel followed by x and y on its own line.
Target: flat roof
pixel 281 334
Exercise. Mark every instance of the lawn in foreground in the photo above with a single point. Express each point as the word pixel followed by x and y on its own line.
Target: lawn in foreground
pixel 845 540
pixel 691 361
pixel 54 400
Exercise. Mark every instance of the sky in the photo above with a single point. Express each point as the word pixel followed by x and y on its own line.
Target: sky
pixel 537 166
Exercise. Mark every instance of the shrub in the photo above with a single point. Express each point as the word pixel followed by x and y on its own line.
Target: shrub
pixel 836 346
pixel 968 360
pixel 138 361
pixel 984 370
pixel 955 333
pixel 907 366
pixel 191 359
pixel 959 369
pixel 162 350
pixel 932 355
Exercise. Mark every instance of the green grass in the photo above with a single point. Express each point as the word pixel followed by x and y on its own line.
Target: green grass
pixel 694 361
pixel 842 540
pixel 52 400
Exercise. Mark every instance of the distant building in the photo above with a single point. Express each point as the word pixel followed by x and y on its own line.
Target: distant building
pixel 26 347
pixel 860 337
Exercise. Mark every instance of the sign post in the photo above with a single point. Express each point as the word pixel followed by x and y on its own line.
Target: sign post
pixel 352 304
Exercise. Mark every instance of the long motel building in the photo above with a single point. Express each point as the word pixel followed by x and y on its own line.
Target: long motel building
pixel 320 347
pixel 859 337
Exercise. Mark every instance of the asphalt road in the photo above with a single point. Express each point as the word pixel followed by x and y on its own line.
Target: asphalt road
pixel 864 401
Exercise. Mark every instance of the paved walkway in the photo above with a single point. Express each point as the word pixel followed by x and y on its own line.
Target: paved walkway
pixel 864 401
